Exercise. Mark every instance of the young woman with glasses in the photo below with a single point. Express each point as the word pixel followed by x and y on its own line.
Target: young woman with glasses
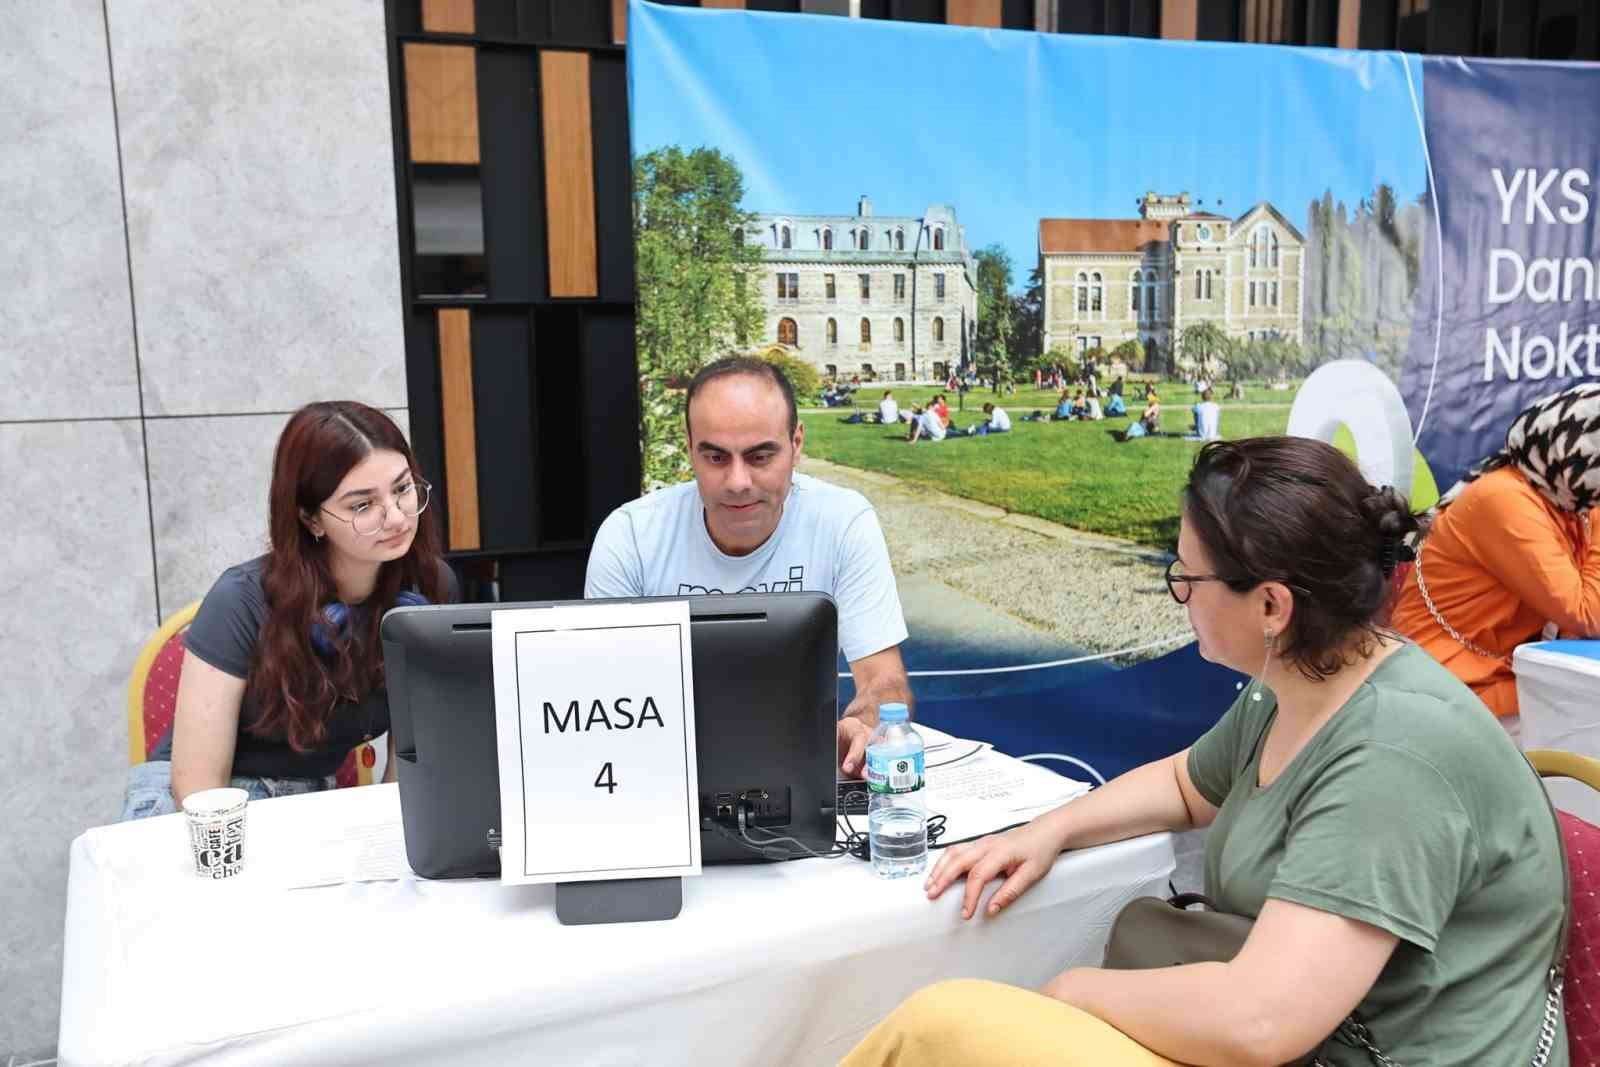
pixel 282 667
pixel 1393 848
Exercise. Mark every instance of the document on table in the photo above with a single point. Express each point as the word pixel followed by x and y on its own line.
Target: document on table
pixel 984 791
pixel 364 852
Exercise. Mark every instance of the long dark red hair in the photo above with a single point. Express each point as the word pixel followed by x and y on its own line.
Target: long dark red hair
pixel 295 687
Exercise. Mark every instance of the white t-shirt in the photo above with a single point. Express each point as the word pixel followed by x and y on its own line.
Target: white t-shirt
pixel 828 540
pixel 1094 407
pixel 999 420
pixel 888 410
pixel 932 425
pixel 1208 420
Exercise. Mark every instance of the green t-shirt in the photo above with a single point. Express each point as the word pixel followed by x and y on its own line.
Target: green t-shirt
pixel 1410 810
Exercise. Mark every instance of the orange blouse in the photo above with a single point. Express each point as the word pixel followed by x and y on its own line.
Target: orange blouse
pixel 1499 563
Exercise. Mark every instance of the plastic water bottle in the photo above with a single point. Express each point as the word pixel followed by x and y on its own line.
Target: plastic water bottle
pixel 897 823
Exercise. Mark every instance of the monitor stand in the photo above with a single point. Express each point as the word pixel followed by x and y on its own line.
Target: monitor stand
pixel 622 900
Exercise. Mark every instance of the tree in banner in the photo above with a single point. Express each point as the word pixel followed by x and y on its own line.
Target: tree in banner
pixel 1027 326
pixel 1201 345
pixel 1248 359
pixel 802 375
pixel 996 330
pixel 698 281
pixel 1130 354
pixel 1361 277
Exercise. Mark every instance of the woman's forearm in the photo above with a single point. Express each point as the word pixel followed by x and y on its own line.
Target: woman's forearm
pixel 1145 800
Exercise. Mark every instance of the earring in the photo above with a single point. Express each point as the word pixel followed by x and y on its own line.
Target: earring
pixel 1270 639
pixel 316 536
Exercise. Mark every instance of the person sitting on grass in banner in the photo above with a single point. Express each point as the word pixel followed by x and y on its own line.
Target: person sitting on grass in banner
pixel 1151 415
pixel 1149 421
pixel 1063 407
pixel 997 422
pixel 1207 418
pixel 1090 409
pixel 1115 406
pixel 925 425
pixel 941 409
pixel 888 409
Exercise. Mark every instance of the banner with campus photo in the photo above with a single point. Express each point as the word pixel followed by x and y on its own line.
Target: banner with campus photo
pixel 929 222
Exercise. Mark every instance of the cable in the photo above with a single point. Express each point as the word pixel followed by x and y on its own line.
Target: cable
pixel 859 844
pixel 776 846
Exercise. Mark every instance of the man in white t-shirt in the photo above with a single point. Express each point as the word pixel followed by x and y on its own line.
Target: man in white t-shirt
pixel 925 424
pixel 1208 418
pixel 748 523
pixel 997 422
pixel 888 410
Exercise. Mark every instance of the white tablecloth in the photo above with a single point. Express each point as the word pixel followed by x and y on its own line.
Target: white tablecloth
pixel 778 963
pixel 1558 696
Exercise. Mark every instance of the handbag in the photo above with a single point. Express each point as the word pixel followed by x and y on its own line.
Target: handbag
pixel 1150 932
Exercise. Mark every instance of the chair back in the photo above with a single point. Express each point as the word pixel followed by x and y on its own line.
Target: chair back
pixel 153 685
pixel 153 699
pixel 1582 842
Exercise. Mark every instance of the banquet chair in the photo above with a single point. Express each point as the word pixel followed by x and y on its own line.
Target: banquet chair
pixel 1582 842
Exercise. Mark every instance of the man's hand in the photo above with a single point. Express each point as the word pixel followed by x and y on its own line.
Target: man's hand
pixel 880 679
pixel 853 734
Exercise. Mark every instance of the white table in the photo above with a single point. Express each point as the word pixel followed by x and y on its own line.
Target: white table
pixel 1558 696
pixel 778 963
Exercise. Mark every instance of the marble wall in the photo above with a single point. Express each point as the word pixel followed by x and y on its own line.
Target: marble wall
pixel 198 210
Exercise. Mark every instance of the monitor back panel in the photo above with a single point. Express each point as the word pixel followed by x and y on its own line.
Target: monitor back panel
pixel 765 681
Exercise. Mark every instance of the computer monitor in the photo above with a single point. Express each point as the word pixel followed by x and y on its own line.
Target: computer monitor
pixel 766 703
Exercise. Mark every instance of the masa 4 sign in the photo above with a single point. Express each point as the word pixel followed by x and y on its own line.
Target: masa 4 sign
pixel 594 707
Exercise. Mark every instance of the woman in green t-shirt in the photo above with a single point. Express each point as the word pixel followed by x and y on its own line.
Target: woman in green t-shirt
pixel 1394 848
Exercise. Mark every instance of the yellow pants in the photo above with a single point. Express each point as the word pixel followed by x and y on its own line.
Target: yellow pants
pixel 969 1023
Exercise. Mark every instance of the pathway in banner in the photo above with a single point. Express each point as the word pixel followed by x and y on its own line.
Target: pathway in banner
pixel 978 582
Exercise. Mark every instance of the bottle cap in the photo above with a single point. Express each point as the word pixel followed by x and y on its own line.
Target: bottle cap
pixel 893 712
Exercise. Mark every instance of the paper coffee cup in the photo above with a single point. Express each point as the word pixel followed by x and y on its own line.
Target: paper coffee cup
pixel 216 831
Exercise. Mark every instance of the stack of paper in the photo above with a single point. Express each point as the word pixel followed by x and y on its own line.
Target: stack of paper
pixel 979 790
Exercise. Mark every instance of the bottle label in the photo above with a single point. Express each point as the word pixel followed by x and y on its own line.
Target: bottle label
pixel 894 774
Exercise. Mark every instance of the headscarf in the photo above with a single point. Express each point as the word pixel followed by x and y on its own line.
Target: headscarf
pixel 1555 443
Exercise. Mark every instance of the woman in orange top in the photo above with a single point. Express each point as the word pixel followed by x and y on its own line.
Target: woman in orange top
pixel 1510 552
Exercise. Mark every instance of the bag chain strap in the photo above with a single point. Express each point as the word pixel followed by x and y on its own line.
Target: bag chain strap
pixel 1438 617
pixel 1552 1017
pixel 1433 610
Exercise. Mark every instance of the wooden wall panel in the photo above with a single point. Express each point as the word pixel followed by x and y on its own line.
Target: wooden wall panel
pixel 619 21
pixel 1180 19
pixel 729 5
pixel 568 173
pixel 1349 23
pixel 449 16
pixel 442 102
pixel 460 427
pixel 973 13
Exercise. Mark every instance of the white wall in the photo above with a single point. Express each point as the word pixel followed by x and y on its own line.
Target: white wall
pixel 197 235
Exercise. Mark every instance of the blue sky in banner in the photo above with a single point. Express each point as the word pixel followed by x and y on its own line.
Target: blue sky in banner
pixel 1009 127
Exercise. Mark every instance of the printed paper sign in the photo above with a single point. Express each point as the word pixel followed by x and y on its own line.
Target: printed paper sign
pixel 594 705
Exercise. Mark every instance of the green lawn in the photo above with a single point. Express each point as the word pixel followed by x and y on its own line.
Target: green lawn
pixel 1073 473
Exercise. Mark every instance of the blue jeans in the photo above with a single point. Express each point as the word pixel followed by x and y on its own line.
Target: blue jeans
pixel 150 789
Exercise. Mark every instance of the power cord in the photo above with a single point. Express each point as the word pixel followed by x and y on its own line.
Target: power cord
pixel 775 846
pixel 772 846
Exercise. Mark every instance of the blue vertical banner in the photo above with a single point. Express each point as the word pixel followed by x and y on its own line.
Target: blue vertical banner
pixel 1507 303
